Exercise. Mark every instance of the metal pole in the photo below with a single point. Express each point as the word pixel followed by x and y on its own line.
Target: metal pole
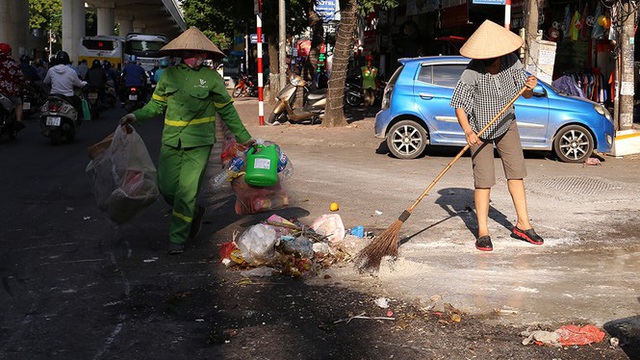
pixel 260 80
pixel 507 15
pixel 282 45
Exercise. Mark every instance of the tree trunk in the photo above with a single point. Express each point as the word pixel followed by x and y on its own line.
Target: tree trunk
pixel 317 37
pixel 334 110
pixel 274 70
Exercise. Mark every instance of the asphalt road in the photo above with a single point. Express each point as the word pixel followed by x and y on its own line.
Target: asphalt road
pixel 75 286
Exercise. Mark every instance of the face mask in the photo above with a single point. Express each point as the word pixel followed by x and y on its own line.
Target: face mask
pixel 195 61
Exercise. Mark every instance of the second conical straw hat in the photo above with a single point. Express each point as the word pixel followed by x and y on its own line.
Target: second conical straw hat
pixel 490 40
pixel 193 39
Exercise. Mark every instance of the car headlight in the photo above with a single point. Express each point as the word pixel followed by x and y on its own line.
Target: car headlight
pixel 603 111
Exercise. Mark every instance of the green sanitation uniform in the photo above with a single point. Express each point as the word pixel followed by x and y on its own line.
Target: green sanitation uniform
pixel 369 84
pixel 191 98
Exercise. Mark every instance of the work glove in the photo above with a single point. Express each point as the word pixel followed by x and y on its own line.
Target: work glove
pixel 127 119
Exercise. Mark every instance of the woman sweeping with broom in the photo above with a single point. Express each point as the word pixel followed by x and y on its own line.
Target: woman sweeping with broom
pixel 492 82
pixel 492 78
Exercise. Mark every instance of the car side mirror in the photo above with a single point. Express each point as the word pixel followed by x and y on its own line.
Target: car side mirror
pixel 539 91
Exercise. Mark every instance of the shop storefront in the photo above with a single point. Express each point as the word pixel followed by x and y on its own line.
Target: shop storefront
pixel 584 45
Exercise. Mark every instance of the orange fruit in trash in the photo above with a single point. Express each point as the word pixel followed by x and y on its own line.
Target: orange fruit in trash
pixel 334 206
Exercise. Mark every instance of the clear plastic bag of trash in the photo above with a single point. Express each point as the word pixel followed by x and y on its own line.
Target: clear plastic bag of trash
pixel 123 175
pixel 257 245
pixel 330 225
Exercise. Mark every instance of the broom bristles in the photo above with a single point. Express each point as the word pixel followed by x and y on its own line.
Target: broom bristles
pixel 386 244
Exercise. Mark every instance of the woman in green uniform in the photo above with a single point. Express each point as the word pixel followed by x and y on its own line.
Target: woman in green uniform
pixel 192 95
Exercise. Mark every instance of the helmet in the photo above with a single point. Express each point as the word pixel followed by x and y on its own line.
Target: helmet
pixel 369 57
pixel 5 49
pixel 62 58
pixel 96 63
pixel 164 63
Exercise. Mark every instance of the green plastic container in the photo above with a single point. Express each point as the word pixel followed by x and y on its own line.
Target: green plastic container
pixel 262 165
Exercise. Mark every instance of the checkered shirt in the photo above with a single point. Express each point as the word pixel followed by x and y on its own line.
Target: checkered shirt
pixel 482 95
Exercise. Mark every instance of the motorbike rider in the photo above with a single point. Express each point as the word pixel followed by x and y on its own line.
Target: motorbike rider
pixel 11 80
pixel 63 78
pixel 97 78
pixel 33 76
pixel 134 75
pixel 193 96
pixel 163 65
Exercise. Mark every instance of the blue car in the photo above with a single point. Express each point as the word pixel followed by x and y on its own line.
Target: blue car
pixel 415 113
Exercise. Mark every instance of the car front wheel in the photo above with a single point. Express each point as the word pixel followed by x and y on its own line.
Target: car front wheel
pixel 407 139
pixel 573 144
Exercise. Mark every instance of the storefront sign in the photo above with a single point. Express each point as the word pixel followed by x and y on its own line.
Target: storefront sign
pixel 327 9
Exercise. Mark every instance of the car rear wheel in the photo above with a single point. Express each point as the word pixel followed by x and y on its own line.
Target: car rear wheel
pixel 407 139
pixel 573 144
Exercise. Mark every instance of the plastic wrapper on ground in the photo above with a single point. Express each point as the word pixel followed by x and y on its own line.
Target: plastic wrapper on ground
pixel 257 245
pixel 329 225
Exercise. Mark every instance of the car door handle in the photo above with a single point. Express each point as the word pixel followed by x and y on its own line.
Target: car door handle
pixel 426 96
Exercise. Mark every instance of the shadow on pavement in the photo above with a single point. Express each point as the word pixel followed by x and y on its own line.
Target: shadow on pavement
pixel 627 331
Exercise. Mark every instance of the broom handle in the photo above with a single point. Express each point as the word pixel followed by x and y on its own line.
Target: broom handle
pixel 405 215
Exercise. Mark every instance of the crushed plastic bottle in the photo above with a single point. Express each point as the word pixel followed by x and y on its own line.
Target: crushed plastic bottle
pixel 229 172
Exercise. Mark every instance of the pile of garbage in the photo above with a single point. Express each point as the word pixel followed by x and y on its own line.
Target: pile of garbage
pixel 290 248
pixel 278 245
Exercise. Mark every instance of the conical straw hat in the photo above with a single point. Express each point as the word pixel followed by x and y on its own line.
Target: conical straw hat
pixel 490 40
pixel 193 39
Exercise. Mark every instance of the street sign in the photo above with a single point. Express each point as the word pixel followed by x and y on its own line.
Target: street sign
pixel 254 38
pixel 326 9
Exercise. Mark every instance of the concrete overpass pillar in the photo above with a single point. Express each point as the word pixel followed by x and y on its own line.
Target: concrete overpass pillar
pixel 106 20
pixel 126 26
pixel 14 29
pixel 73 27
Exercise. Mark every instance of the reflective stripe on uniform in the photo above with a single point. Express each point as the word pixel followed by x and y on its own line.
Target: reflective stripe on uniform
pixel 159 98
pixel 221 105
pixel 189 122
pixel 183 217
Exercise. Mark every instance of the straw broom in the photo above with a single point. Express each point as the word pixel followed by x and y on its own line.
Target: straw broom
pixel 386 244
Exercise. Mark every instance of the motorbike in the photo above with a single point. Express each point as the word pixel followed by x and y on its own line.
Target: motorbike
pixel 245 87
pixel 7 118
pixel 33 96
pixel 353 94
pixel 135 98
pixel 110 95
pixel 92 95
pixel 59 119
pixel 313 104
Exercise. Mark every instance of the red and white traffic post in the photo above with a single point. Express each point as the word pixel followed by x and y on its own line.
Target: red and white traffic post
pixel 258 11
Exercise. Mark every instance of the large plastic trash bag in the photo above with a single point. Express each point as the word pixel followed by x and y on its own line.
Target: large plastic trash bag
pixel 123 175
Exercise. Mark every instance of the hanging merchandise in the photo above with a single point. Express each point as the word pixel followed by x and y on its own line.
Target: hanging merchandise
pixel 584 30
pixel 566 25
pixel 574 28
pixel 598 30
